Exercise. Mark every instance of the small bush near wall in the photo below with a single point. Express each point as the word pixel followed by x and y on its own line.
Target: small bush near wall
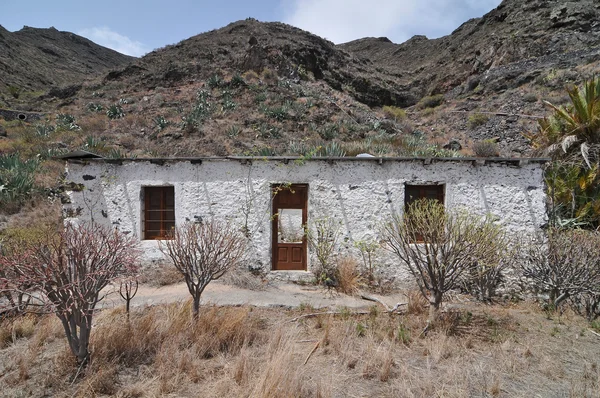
pixel 486 149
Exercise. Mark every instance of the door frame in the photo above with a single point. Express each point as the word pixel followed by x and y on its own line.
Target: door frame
pixel 275 189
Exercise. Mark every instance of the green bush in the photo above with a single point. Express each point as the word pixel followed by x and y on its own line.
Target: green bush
pixel 14 91
pixel 431 101
pixel 215 81
pixel 115 111
pixel 476 120
pixel 393 112
pixel 66 121
pixel 329 131
pixel 17 181
pixel 200 112
pixel 94 107
pixel 160 122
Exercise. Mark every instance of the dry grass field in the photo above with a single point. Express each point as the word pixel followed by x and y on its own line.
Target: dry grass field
pixel 510 350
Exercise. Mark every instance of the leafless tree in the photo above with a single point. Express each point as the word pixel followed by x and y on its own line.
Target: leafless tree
pixel 565 264
pixel 69 267
pixel 128 288
pixel 438 247
pixel 202 253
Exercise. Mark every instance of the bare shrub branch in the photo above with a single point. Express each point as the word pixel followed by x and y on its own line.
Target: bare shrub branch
pixel 565 264
pixel 438 247
pixel 203 253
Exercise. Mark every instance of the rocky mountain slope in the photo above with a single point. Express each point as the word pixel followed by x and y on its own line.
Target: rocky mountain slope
pixel 508 47
pixel 269 88
pixel 34 59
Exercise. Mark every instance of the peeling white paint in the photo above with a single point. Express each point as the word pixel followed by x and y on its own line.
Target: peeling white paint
pixel 360 194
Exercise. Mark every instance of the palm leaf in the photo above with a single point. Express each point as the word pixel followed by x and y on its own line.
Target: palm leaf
pixel 585 153
pixel 568 141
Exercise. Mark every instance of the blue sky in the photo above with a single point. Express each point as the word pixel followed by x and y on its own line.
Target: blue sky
pixel 137 27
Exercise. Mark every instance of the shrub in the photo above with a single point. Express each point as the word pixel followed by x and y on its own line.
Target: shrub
pixel 438 247
pixel 323 237
pixel 233 131
pixel 486 149
pixel 393 112
pixel 66 121
pixel 485 274
pixel 203 253
pixel 115 111
pixel 564 265
pixel 477 119
pixel 332 149
pixel 201 111
pixel 215 81
pixel 237 81
pixel 70 266
pixel 14 91
pixel 17 181
pixel 367 251
pixel 329 131
pixel 160 122
pixel 432 101
pixel 94 107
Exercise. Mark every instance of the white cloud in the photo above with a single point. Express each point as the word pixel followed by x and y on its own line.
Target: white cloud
pixel 108 38
pixel 344 20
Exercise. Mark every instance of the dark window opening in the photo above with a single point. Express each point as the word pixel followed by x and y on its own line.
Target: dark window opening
pixel 159 212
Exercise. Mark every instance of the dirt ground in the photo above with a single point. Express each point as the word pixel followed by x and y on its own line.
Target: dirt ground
pixel 237 349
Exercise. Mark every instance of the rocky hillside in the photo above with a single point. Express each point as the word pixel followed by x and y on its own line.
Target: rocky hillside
pixel 269 88
pixel 36 59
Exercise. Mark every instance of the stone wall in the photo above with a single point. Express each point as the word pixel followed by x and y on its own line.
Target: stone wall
pixel 359 194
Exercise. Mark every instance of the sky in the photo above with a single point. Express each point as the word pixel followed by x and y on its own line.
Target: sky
pixel 136 27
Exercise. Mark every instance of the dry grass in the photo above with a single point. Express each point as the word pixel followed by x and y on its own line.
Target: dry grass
pixel 488 351
pixel 244 279
pixel 349 278
pixel 161 275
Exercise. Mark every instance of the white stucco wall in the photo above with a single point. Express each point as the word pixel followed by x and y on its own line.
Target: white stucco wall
pixel 360 194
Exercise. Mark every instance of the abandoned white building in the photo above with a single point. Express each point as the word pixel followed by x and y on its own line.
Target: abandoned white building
pixel 272 199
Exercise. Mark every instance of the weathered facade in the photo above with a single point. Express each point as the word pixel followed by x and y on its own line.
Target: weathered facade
pixel 271 199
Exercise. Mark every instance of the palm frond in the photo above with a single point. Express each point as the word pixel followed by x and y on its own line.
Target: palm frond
pixel 568 141
pixel 585 153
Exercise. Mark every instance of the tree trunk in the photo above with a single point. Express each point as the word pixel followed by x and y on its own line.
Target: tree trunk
pixel 84 341
pixel 196 306
pixel 434 306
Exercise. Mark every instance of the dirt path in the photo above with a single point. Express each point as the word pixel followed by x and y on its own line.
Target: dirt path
pixel 276 294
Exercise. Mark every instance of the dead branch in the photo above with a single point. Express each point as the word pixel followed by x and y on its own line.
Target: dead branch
pixel 387 308
pixel 312 351
pixel 597 334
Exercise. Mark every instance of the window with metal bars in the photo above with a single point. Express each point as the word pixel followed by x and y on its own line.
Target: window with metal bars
pixel 159 212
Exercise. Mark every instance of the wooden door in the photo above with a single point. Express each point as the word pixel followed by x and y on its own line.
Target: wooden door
pixel 289 219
